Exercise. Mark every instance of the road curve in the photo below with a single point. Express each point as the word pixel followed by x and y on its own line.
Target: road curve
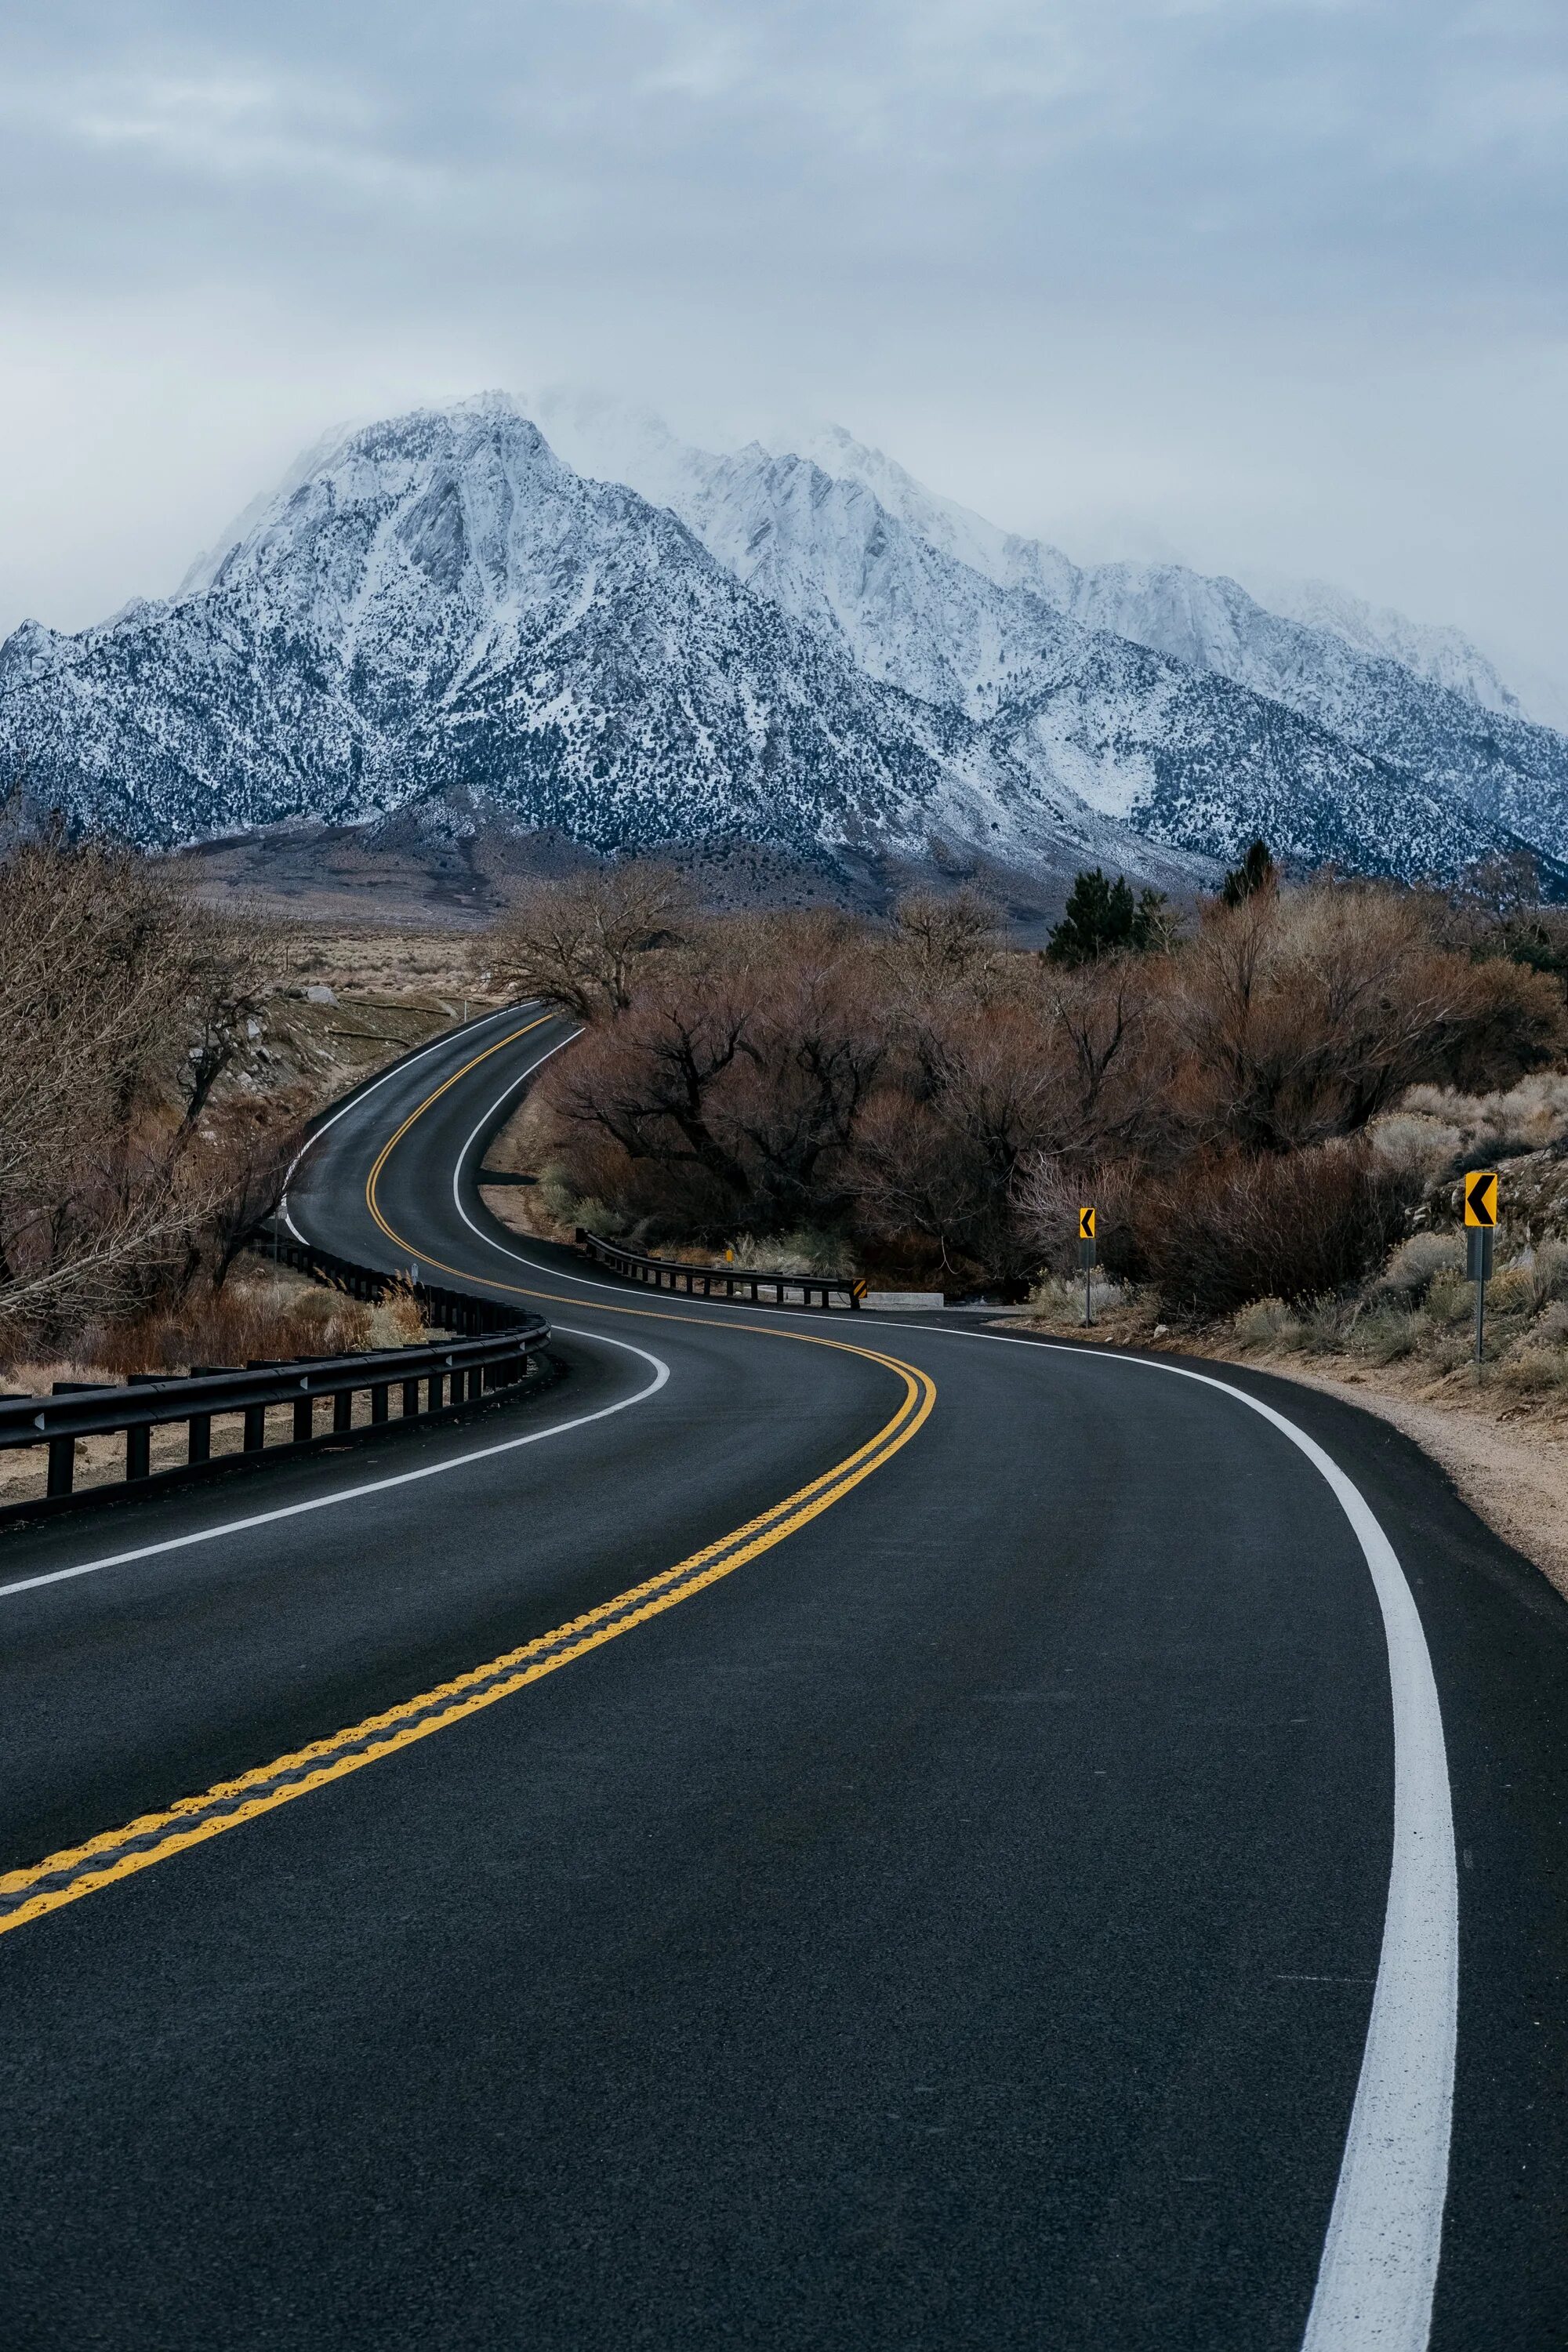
pixel 872 1835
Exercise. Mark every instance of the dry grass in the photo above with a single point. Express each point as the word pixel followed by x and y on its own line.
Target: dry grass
pixel 432 967
pixel 392 992
pixel 263 1313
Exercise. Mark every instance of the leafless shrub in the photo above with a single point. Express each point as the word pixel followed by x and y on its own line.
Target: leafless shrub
pixel 731 1101
pixel 1048 1197
pixel 945 1105
pixel 247 1319
pixel 941 943
pixel 1231 1227
pixel 1304 1014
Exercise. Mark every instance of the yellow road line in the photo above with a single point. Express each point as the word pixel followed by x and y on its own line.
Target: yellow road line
pixel 76 1871
pixel 521 1290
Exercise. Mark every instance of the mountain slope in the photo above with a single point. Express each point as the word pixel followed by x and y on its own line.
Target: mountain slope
pixel 1423 701
pixel 1057 665
pixel 1443 656
pixel 437 609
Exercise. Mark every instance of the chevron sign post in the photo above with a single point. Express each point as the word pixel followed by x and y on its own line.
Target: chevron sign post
pixel 1086 1257
pixel 1480 1227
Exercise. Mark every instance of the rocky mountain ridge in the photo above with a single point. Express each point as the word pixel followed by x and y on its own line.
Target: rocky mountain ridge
pixel 1422 702
pixel 436 611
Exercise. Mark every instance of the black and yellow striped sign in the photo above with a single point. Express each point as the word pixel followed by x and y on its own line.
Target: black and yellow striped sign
pixel 1086 1224
pixel 1481 1197
pixel 858 1287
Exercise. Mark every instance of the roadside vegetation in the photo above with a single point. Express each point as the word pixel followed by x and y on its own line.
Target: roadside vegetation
pixel 159 1060
pixel 1413 1311
pixel 1270 1098
pixel 1260 1098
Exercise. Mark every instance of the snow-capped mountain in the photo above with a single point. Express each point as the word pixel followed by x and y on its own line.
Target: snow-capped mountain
pixel 1165 606
pixel 667 645
pixel 930 596
pixel 1443 656
pixel 1423 699
pixel 437 605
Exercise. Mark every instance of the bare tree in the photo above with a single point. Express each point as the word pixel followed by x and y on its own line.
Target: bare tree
pixel 582 944
pixel 228 969
pixel 1304 1014
pixel 749 1071
pixel 650 1087
pixel 940 941
pixel 120 1004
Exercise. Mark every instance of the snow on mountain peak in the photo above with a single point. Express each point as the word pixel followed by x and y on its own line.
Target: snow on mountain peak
pixel 558 610
pixel 1444 655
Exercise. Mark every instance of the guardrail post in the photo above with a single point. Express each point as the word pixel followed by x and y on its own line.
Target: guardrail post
pixel 180 1400
pixel 62 1465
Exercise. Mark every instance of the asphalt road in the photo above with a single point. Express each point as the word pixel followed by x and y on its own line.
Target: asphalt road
pixel 989 1885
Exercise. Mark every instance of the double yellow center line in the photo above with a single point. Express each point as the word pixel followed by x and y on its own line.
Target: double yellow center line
pixel 76 1871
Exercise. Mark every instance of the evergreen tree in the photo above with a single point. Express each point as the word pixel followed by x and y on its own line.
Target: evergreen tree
pixel 1256 872
pixel 1104 918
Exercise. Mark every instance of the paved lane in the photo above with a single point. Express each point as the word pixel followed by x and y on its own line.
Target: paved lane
pixel 956 1925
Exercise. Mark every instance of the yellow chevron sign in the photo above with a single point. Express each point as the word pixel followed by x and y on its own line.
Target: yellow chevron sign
pixel 1480 1197
pixel 1086 1224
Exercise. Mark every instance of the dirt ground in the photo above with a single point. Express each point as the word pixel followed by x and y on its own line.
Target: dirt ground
pixel 347 997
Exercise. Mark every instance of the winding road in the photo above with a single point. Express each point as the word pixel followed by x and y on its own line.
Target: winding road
pixel 831 1832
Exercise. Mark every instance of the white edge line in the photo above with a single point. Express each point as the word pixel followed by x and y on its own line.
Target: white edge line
pixel 404 1062
pixel 522 1078
pixel 1378 2272
pixel 586 1281
pixel 365 1487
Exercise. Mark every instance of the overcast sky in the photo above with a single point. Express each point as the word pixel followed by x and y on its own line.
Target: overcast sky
pixel 1265 284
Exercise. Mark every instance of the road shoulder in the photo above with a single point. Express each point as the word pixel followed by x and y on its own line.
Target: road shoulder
pixel 1515 1479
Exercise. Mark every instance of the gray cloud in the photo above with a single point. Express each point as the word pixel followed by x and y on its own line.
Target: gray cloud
pixel 1270 282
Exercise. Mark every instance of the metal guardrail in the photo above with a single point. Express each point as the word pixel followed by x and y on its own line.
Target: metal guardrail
pixel 494 1351
pixel 448 1310
pixel 723 1281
